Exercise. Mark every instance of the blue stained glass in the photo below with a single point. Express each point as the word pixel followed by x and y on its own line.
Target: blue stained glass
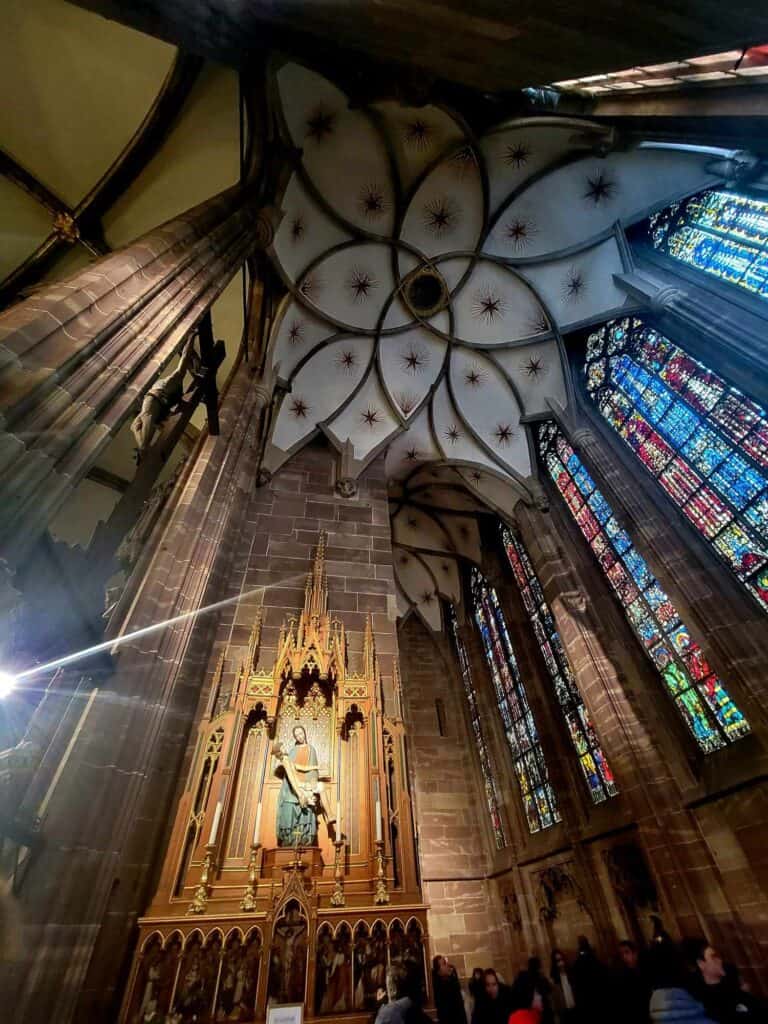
pixel 584 481
pixel 618 537
pixel 678 423
pixel 486 761
pixel 580 729
pixel 638 569
pixel 721 233
pixel 718 477
pixel 600 507
pixel 736 480
pixel 654 401
pixel 699 696
pixel 512 702
pixel 705 450
pixel 757 515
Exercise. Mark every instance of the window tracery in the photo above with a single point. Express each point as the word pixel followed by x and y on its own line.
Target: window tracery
pixel 538 797
pixel 699 695
pixel 705 442
pixel 720 232
pixel 592 760
pixel 487 766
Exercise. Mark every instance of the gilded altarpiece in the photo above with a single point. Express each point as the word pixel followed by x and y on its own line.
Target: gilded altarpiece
pixel 291 875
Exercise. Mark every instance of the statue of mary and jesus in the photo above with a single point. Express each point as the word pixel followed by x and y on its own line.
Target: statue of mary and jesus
pixel 302 795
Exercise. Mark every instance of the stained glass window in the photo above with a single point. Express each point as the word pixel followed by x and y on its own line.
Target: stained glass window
pixel 699 695
pixel 594 765
pixel 705 442
pixel 484 754
pixel 536 792
pixel 721 233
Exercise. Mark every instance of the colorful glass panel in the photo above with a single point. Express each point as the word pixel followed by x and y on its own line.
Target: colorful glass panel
pixel 705 442
pixel 597 774
pixel 486 761
pixel 538 797
pixel 699 695
pixel 721 233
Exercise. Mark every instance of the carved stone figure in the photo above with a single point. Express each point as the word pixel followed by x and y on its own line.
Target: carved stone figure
pixel 164 398
pixel 302 794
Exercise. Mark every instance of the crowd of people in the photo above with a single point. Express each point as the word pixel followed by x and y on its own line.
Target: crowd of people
pixel 666 983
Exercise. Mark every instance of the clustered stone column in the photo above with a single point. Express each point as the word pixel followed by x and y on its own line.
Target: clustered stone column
pixel 75 360
pixel 77 357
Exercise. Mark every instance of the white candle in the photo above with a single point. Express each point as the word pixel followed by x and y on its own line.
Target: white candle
pixel 378 821
pixel 257 826
pixel 215 825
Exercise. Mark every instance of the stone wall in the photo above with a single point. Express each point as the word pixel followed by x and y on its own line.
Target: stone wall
pixel 465 920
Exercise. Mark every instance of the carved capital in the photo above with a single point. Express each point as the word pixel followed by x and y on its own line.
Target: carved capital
pixel 540 496
pixel 263 477
pixel 582 437
pixel 574 601
pixel 346 487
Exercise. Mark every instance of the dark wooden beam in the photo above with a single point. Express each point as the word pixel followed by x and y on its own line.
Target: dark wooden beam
pixel 83 223
pixel 107 479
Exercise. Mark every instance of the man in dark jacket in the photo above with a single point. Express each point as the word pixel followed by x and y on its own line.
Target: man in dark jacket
pixel 718 991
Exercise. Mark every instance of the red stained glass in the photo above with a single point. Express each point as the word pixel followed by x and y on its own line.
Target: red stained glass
pixel 708 512
pixel 589 525
pixel 736 416
pixel 679 481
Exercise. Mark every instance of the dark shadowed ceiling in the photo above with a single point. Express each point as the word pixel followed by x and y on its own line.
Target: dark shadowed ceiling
pixel 486 44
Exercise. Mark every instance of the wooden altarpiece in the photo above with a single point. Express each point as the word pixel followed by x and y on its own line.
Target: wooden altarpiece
pixel 239 922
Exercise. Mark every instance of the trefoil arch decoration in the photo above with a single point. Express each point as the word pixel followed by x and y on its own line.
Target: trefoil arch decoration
pixel 700 696
pixel 703 441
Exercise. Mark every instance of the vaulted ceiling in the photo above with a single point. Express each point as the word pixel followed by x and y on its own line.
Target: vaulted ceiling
pixel 432 275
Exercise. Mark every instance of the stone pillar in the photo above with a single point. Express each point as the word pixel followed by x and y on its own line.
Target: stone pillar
pixel 77 357
pixel 107 806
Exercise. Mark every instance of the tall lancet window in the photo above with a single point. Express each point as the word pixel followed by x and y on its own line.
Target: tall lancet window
pixel 705 443
pixel 699 695
pixel 486 761
pixel 536 792
pixel 721 233
pixel 594 765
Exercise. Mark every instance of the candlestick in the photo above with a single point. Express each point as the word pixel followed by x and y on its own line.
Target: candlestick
pixel 257 826
pixel 382 893
pixel 200 897
pixel 248 902
pixel 337 896
pixel 378 821
pixel 215 825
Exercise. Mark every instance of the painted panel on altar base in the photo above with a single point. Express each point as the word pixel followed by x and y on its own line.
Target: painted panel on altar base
pixel 197 978
pixel 370 964
pixel 236 998
pixel 288 956
pixel 155 976
pixel 333 974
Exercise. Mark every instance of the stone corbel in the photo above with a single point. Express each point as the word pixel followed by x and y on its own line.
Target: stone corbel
pixel 649 291
pixel 346 480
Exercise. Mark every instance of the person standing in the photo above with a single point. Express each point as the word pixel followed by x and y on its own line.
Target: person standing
pixel 563 998
pixel 718 992
pixel 477 993
pixel 449 1001
pixel 632 993
pixel 498 1003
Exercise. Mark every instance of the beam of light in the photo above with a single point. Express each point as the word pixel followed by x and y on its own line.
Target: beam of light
pixel 110 645
pixel 7 683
